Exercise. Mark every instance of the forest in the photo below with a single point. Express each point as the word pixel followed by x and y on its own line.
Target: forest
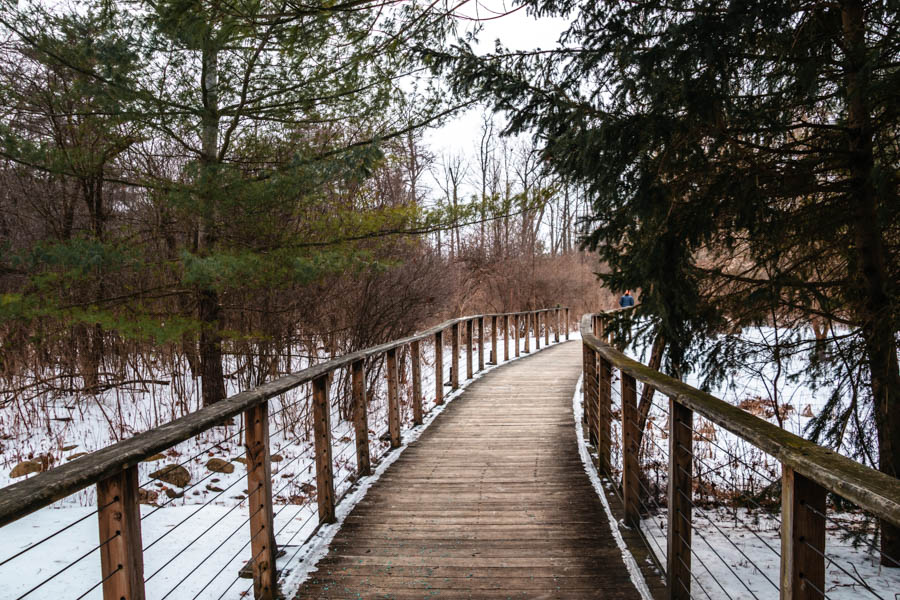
pixel 198 197
pixel 157 221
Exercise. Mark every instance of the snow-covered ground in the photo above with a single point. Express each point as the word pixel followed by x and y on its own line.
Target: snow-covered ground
pixel 196 536
pixel 736 543
pixel 197 541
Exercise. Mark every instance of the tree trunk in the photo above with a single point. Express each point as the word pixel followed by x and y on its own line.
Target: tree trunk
pixel 209 311
pixel 871 282
pixel 656 354
pixel 208 307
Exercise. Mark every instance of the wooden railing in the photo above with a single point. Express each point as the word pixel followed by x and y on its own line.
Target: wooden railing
pixel 809 471
pixel 114 469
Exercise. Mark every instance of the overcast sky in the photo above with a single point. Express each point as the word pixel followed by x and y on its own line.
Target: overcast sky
pixel 516 31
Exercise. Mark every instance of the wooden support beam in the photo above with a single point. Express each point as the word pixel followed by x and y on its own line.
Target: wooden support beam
pixel 537 330
pixel 439 368
pixel 393 381
pixel 360 417
pixel 416 367
pixel 802 537
pixel 481 343
pixel 604 415
pixel 454 361
pixel 259 500
pixel 470 342
pixel 567 323
pixel 516 333
pixel 630 465
pixel 119 519
pixel 322 433
pixel 588 388
pixel 494 358
pixel 505 338
pixel 527 333
pixel 678 556
pixel 556 326
pixel 547 328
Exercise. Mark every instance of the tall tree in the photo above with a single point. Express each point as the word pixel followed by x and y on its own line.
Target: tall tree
pixel 742 157
pixel 269 103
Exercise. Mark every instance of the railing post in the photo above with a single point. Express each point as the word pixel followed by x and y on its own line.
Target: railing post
pixel 416 365
pixel 505 337
pixel 393 381
pixel 119 519
pixel 322 432
pixel 454 362
pixel 556 326
pixel 259 499
pixel 537 330
pixel 589 388
pixel 527 333
pixel 547 328
pixel 516 333
pixel 360 416
pixel 567 323
pixel 630 467
pixel 494 358
pixel 802 537
pixel 470 342
pixel 481 343
pixel 678 556
pixel 604 415
pixel 439 368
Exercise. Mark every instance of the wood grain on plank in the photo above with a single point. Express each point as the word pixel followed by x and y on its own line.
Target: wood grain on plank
pixel 492 501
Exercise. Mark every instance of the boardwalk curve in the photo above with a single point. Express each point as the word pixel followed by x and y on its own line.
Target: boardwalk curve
pixel 492 501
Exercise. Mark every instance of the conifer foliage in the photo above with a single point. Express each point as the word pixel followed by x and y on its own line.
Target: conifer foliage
pixel 743 160
pixel 223 151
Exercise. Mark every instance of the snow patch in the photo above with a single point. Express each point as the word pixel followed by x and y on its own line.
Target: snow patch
pixel 633 570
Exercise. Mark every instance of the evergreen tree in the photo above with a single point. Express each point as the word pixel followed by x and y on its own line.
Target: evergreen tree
pixel 743 161
pixel 268 104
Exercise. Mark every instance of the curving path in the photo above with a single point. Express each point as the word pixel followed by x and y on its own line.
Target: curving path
pixel 492 501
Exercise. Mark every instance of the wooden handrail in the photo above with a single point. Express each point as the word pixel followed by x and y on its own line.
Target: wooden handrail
pixel 809 471
pixel 870 489
pixel 23 498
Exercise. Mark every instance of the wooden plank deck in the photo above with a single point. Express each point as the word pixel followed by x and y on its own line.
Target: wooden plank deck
pixel 491 502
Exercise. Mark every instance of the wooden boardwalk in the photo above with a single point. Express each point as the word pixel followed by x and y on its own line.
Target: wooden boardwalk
pixel 491 502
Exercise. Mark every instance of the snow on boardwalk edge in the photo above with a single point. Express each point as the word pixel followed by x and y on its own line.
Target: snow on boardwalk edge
pixel 630 563
pixel 305 563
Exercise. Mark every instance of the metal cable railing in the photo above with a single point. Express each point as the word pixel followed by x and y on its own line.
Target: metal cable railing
pixel 702 480
pixel 326 451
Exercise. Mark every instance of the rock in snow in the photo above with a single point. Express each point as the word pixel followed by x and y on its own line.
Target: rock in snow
pixel 217 465
pixel 174 474
pixel 25 467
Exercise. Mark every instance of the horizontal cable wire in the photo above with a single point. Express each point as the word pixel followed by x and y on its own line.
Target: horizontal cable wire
pixel 216 549
pixel 749 466
pixel 728 538
pixel 57 532
pixel 74 562
pixel 190 516
pixel 845 571
pixel 195 456
pixel 847 529
pixel 99 583
pixel 193 541
pixel 683 564
pixel 283 507
pixel 659 525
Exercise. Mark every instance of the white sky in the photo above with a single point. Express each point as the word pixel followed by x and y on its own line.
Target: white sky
pixel 516 31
